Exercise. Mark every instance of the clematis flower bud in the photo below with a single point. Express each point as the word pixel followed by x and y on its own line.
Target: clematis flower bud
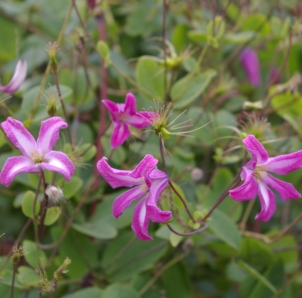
pixel 250 63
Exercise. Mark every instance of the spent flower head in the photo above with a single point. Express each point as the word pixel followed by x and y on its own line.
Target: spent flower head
pixel 51 97
pixel 17 253
pixel 55 196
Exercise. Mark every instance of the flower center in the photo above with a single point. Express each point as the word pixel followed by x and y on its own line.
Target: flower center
pixel 37 157
pixel 260 172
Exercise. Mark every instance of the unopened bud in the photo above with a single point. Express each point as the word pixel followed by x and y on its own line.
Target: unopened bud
pixel 52 49
pixel 250 63
pixel 62 269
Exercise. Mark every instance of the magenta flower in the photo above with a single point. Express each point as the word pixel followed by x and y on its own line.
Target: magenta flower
pixel 257 179
pixel 17 79
pixel 250 63
pixel 124 114
pixel 36 156
pixel 146 182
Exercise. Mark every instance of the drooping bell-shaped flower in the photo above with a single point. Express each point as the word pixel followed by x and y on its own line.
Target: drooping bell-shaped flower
pixel 250 64
pixel 37 155
pixel 146 184
pixel 258 180
pixel 17 79
pixel 123 115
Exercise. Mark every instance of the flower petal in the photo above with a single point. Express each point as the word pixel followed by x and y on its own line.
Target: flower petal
pixel 17 79
pixel 250 63
pixel 284 164
pixel 259 154
pixel 120 134
pixel 58 162
pixel 154 213
pixel 14 166
pixel 19 136
pixel 145 167
pixel 49 133
pixel 246 191
pixel 268 203
pixel 141 119
pixel 286 190
pixel 140 221
pixel 116 178
pixel 112 108
pixel 125 199
pixel 130 104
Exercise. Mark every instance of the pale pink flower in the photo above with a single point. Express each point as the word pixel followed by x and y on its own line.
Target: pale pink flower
pixel 37 155
pixel 17 79
pixel 258 180
pixel 146 183
pixel 123 115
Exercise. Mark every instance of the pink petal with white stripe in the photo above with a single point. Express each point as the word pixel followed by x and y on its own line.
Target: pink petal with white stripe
pixel 58 162
pixel 120 134
pixel 140 222
pixel 49 133
pixel 116 178
pixel 284 164
pixel 259 154
pixel 145 167
pixel 246 191
pixel 19 136
pixel 125 199
pixel 130 104
pixel 286 190
pixel 268 203
pixel 17 79
pixel 14 166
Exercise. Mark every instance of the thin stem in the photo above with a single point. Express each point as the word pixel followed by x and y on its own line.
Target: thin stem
pixel 55 288
pixel 233 184
pixel 161 146
pixel 13 281
pixel 55 74
pixel 36 199
pixel 43 207
pixel 190 233
pixel 165 7
pixel 246 215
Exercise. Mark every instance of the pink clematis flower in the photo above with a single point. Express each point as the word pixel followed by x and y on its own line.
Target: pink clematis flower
pixel 17 79
pixel 250 63
pixel 124 114
pixel 257 180
pixel 36 156
pixel 146 182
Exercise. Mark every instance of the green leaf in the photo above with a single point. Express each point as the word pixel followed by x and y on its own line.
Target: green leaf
pixel 28 204
pixel 225 229
pixel 89 152
pixel 28 277
pixel 104 51
pixel 216 27
pixel 240 37
pixel 92 292
pixel 72 187
pixel 33 256
pixel 140 256
pixel 150 79
pixel 119 291
pixel 257 23
pixel 188 88
pixel 99 229
pixel 10 31
pixel 52 215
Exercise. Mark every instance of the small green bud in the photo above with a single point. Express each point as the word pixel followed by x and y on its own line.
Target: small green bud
pixel 165 133
pixel 52 49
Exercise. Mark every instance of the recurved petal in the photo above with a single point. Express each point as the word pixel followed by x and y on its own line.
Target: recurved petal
pixel 17 79
pixel 110 105
pixel 130 104
pixel 268 203
pixel 120 134
pixel 19 136
pixel 145 167
pixel 259 154
pixel 286 190
pixel 140 119
pixel 116 178
pixel 246 191
pixel 284 164
pixel 126 198
pixel 154 213
pixel 49 133
pixel 58 162
pixel 140 221
pixel 14 166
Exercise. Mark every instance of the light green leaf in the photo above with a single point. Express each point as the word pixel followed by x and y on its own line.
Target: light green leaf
pixel 119 291
pixel 225 229
pixel 28 204
pixel 92 292
pixel 72 187
pixel 150 79
pixel 52 215
pixel 33 256
pixel 188 88
pixel 27 277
